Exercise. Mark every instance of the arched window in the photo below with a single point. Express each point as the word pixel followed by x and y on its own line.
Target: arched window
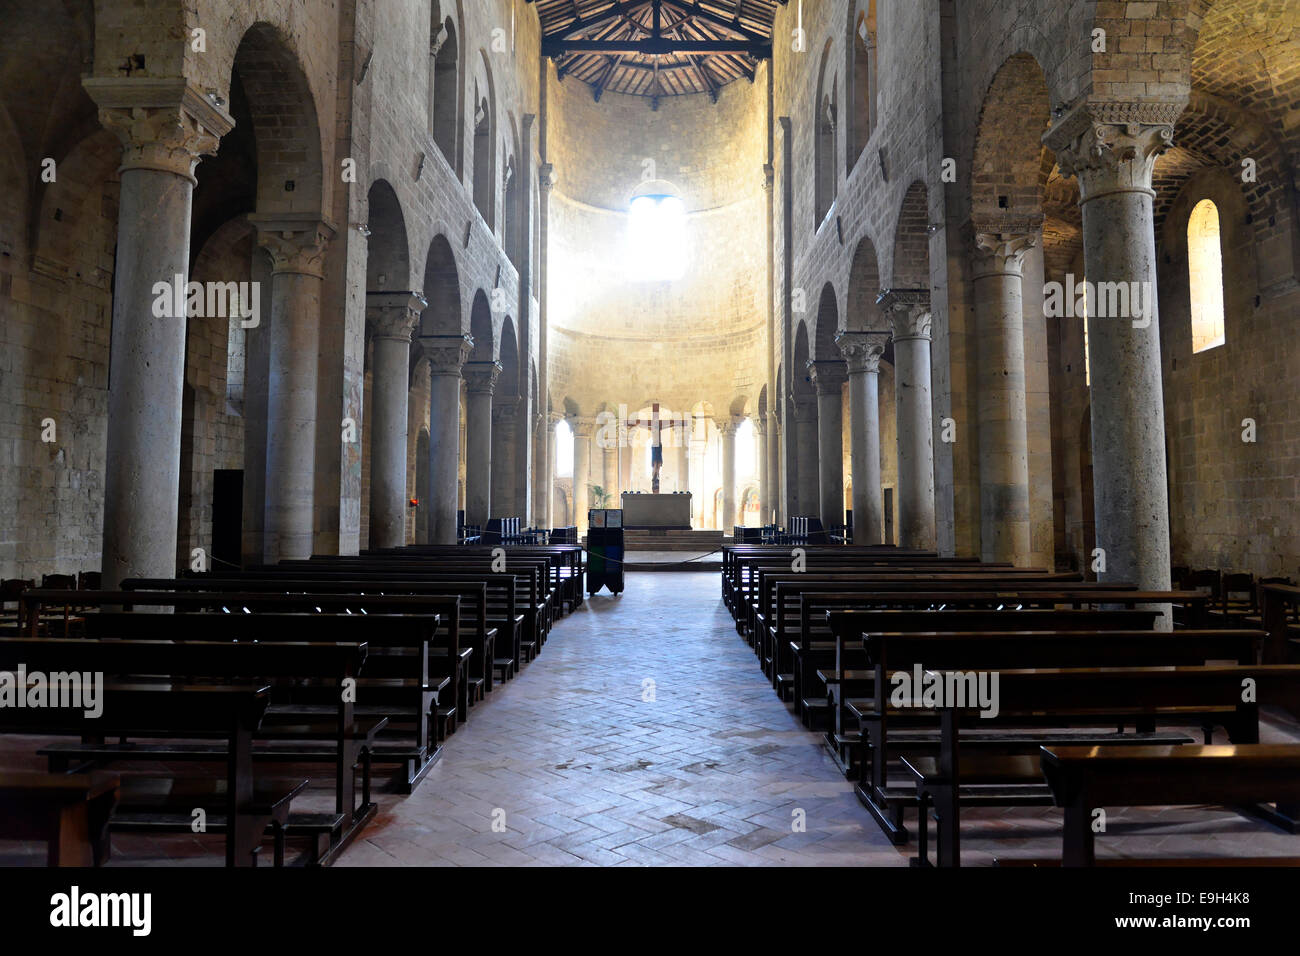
pixel 484 161
pixel 863 46
pixel 657 243
pixel 444 55
pixel 1205 271
pixel 824 123
pixel 563 450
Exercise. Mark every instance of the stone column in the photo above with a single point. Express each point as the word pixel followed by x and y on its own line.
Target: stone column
pixel 392 317
pixel 909 310
pixel 165 127
pixel 806 466
pixel 683 460
pixel 764 477
pixel 727 434
pixel 1112 148
pixel 699 442
pixel 447 355
pixel 505 447
pixel 480 383
pixel 297 249
pixel 582 429
pixel 773 452
pixel 1003 419
pixel 828 378
pixel 862 351
pixel 548 502
pixel 540 457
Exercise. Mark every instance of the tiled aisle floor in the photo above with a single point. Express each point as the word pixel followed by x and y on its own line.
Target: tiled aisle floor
pixel 710 771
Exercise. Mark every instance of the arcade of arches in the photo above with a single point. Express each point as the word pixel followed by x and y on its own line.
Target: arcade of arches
pixel 874 301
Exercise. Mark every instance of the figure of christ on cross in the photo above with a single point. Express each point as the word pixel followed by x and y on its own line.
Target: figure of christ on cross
pixel 656 423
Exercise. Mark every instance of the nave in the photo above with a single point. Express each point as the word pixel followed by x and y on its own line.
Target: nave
pixel 708 772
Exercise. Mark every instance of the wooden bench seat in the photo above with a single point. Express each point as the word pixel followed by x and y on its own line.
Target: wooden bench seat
pixel 68 812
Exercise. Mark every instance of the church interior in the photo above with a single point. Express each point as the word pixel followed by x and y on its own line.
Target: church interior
pixel 649 432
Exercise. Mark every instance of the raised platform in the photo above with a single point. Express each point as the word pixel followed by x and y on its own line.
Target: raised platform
pixel 672 550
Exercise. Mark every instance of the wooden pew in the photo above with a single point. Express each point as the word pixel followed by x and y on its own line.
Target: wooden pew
pixel 1083 779
pixel 993 651
pixel 461 604
pixel 230 712
pixel 331 733
pixel 1165 694
pixel 396 685
pixel 67 812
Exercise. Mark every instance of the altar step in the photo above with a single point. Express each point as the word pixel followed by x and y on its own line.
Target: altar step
pixel 652 540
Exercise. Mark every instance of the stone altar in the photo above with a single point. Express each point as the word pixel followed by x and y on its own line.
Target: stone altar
pixel 656 511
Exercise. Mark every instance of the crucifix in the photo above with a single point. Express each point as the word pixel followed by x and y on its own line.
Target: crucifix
pixel 656 425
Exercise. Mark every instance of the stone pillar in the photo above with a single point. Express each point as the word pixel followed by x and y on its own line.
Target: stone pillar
pixel 727 434
pixel 447 355
pixel 909 310
pixel 540 458
pixel 683 460
pixel 862 351
pixel 1112 149
pixel 808 496
pixel 505 447
pixel 165 127
pixel 1003 419
pixel 772 510
pixel 828 378
pixel 699 441
pixel 297 249
pixel 582 429
pixel 480 383
pixel 548 502
pixel 392 317
pixel 764 477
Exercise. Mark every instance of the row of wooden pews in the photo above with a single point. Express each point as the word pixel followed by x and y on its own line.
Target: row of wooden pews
pixel 253 682
pixel 945 683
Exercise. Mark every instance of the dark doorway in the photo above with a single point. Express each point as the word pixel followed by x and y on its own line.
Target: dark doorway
pixel 227 517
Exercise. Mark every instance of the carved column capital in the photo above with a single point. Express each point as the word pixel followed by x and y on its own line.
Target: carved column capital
pixel 726 427
pixel 163 125
pixel 862 350
pixel 769 177
pixel 1113 147
pixel 546 177
pixel 582 427
pixel 1001 251
pixel 393 315
pixel 827 375
pixel 481 377
pixel 447 354
pixel 296 244
pixel 909 311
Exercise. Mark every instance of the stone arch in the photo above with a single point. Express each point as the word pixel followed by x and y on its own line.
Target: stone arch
pixel 1010 171
pixel 828 323
pixel 508 382
pixel 285 124
pixel 862 313
pixel 480 327
pixel 444 315
pixel 388 261
pixel 800 386
pixel 911 266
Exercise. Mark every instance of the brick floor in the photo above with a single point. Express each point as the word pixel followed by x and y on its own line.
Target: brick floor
pixel 582 769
